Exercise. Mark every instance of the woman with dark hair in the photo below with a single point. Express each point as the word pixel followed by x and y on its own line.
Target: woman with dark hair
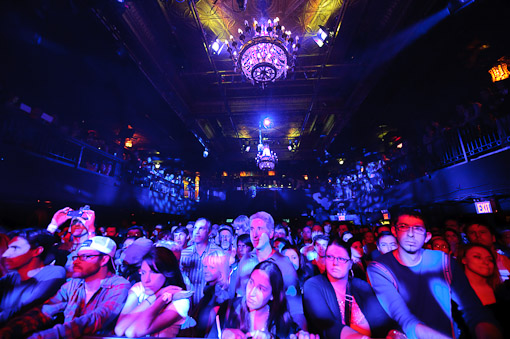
pixel 156 306
pixel 359 265
pixel 262 312
pixel 304 268
pixel 338 306
pixel 479 264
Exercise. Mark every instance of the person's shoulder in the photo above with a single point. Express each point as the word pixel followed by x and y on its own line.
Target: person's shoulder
pixel 214 247
pixel 137 288
pixel 277 256
pixel 12 277
pixel 503 258
pixel 283 263
pixel 52 272
pixel 361 284
pixel 188 251
pixel 317 280
pixel 250 256
pixel 115 280
pixel 385 259
pixel 434 258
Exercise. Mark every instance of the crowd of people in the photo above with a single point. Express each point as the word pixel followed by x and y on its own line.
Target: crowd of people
pixel 255 279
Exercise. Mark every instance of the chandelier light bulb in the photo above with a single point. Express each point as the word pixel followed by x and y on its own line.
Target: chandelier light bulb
pixel 263 55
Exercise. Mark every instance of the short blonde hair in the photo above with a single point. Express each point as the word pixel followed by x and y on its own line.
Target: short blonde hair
pixel 221 261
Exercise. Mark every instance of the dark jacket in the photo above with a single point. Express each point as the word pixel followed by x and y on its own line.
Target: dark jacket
pixel 323 312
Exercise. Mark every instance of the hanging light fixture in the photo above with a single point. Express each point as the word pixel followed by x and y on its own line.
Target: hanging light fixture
pixel 264 52
pixel 266 159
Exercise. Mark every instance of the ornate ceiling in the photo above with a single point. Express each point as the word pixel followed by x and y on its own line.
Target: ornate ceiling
pixel 170 41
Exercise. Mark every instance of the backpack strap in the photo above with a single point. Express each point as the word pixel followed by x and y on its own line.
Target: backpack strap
pixel 348 303
pixel 447 271
pixel 386 272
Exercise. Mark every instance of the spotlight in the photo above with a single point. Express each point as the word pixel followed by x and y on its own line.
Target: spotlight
pixel 289 148
pixel 247 149
pixel 206 153
pixel 322 36
pixel 267 122
pixel 217 46
pixel 455 6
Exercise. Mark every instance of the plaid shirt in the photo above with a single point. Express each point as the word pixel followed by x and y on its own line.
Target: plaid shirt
pixel 81 318
pixel 191 265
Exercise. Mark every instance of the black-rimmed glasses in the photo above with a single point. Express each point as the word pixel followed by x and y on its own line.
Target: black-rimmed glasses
pixel 418 229
pixel 337 259
pixel 85 257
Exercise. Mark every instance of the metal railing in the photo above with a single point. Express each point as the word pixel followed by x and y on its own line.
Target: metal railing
pixel 47 141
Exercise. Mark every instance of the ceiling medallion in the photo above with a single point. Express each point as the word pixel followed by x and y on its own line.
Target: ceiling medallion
pixel 263 52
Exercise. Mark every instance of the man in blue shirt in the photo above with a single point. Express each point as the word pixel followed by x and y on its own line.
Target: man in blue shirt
pixel 29 282
pixel 416 286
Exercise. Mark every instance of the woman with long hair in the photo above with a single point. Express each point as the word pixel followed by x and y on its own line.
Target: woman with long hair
pixel 359 265
pixel 480 267
pixel 262 313
pixel 216 291
pixel 479 263
pixel 338 306
pixel 156 306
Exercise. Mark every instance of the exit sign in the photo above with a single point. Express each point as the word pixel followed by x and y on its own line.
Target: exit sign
pixel 483 207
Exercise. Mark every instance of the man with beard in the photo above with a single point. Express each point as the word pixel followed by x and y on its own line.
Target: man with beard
pixel 90 301
pixel 29 282
pixel 416 287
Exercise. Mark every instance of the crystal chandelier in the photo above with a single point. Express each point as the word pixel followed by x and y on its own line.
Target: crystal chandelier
pixel 263 52
pixel 266 159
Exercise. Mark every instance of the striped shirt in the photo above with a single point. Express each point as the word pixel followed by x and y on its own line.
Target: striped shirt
pixel 191 265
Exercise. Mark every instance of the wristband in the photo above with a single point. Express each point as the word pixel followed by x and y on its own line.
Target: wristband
pixel 52 227
pixel 150 302
pixel 167 297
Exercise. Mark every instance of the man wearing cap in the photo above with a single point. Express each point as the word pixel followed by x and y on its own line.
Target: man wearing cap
pixel 226 234
pixel 131 259
pixel 81 228
pixel 90 301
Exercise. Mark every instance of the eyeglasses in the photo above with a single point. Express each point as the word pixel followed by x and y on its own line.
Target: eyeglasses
pixel 441 247
pixel 338 259
pixel 418 229
pixel 85 257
